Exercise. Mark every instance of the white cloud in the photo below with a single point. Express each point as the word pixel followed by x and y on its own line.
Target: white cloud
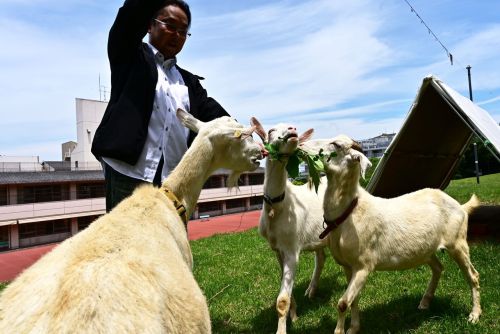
pixel 322 65
pixel 495 99
pixel 351 67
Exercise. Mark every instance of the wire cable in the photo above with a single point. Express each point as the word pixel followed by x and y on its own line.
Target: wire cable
pixel 448 53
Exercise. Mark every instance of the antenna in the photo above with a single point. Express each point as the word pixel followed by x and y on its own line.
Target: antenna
pixel 102 90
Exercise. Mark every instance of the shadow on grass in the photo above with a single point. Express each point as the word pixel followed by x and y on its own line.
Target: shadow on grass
pixel 397 316
pixel 402 315
pixel 329 285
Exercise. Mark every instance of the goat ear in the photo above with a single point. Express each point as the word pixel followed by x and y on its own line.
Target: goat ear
pixel 188 120
pixel 306 136
pixel 364 162
pixel 357 146
pixel 259 129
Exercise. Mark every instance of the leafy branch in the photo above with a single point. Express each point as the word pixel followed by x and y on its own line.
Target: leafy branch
pixel 314 162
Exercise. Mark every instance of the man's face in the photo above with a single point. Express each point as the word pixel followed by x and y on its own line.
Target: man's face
pixel 169 35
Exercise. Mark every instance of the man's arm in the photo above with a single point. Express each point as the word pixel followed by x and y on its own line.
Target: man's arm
pixel 130 27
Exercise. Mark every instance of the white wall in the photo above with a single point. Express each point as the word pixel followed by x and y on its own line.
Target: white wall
pixel 88 116
pixel 19 163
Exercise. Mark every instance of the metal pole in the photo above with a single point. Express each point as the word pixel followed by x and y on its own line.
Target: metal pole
pixel 476 162
pixel 470 84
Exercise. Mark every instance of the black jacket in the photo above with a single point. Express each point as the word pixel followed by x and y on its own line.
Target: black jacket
pixel 123 129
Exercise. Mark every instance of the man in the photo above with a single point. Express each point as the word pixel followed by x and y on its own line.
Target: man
pixel 140 139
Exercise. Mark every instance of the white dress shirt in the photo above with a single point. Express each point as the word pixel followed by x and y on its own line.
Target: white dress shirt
pixel 166 134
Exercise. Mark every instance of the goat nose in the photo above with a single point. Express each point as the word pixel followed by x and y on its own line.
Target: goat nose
pixel 292 128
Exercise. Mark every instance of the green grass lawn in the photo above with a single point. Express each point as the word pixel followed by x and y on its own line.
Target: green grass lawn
pixel 240 277
pixel 488 189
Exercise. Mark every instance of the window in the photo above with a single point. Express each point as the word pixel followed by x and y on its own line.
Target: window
pixel 4 195
pixel 42 193
pixel 4 237
pixel 256 200
pixel 254 179
pixel 208 207
pixel 90 190
pixel 44 228
pixel 84 222
pixel 235 203
pixel 213 182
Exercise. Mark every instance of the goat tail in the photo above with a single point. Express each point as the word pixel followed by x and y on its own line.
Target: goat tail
pixel 472 204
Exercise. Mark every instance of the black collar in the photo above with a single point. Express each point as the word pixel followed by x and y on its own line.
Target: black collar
pixel 276 199
pixel 332 224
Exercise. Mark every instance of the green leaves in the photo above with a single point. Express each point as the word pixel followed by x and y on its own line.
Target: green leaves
pixel 273 151
pixel 314 162
pixel 292 167
pixel 314 165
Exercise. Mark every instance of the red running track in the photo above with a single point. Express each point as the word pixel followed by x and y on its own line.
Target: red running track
pixel 14 262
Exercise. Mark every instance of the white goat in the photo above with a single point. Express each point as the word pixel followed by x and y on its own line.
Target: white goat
pixel 388 234
pixel 291 219
pixel 130 270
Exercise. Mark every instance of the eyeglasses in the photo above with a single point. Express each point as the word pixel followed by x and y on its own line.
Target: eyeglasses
pixel 172 28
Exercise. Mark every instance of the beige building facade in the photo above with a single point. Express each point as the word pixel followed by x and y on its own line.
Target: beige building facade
pixel 48 201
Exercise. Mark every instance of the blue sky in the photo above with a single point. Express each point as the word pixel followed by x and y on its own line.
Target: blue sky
pixel 351 67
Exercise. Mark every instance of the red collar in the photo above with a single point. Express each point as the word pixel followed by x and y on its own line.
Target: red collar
pixel 332 224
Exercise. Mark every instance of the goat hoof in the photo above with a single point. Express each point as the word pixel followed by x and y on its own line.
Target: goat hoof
pixel 310 292
pixel 473 318
pixel 424 304
pixel 352 330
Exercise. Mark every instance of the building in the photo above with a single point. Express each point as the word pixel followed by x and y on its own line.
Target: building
pixel 19 164
pixel 49 201
pixel 376 146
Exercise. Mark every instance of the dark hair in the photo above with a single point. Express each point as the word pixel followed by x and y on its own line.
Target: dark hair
pixel 178 3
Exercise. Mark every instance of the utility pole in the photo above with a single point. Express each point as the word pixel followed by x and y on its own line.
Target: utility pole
pixel 476 161
pixel 470 84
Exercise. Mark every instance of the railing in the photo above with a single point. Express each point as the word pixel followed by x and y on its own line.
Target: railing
pixel 11 167
pixel 25 213
pixel 20 167
pixel 217 194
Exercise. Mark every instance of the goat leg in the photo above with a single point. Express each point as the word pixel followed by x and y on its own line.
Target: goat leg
pixel 436 268
pixel 356 284
pixel 285 302
pixel 319 262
